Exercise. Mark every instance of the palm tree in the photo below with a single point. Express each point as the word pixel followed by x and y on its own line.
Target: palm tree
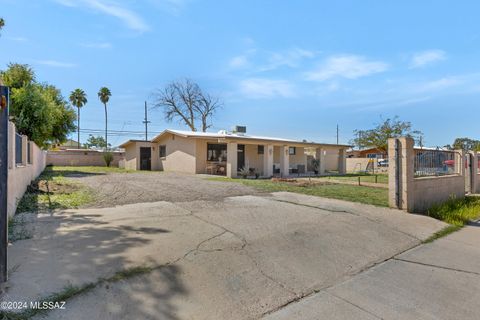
pixel 78 98
pixel 104 95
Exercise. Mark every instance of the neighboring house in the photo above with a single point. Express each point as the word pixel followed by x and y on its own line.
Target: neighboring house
pixel 371 153
pixel 226 153
pixel 69 144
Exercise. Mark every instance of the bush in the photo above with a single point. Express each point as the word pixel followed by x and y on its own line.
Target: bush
pixel 108 158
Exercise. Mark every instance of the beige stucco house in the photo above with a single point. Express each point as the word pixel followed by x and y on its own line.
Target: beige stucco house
pixel 227 153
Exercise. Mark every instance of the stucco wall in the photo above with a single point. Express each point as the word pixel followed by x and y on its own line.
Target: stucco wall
pixel 428 191
pixel 180 154
pixel 20 176
pixel 81 158
pixel 331 159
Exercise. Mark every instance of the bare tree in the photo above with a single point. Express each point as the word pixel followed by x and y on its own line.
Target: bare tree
pixel 206 107
pixel 184 100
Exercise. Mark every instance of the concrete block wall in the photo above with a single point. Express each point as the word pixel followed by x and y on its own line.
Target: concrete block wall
pixel 418 194
pixel 78 157
pixel 21 175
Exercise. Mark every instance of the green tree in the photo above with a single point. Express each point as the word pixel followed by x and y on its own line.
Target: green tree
pixel 18 75
pixel 2 23
pixel 96 142
pixel 38 110
pixel 104 95
pixel 78 98
pixel 62 115
pixel 389 128
pixel 466 144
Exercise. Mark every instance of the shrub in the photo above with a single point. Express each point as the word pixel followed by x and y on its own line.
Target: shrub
pixel 108 158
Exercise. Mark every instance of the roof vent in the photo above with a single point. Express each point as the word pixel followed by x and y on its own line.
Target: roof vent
pixel 240 130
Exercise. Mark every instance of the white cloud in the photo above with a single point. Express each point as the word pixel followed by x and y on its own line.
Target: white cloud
pixel 111 8
pixel 97 45
pixel 421 59
pixel 346 66
pixel 55 63
pixel 438 84
pixel 238 62
pixel 290 58
pixel 266 88
pixel 17 39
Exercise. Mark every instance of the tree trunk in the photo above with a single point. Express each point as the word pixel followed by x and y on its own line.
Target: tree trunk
pixel 106 128
pixel 78 128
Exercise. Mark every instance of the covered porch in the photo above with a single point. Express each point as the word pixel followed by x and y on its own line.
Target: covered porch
pixel 251 158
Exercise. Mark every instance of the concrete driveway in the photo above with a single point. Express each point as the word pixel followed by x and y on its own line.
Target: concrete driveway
pixel 242 257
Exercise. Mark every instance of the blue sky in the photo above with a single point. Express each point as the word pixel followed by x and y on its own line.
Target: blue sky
pixel 292 69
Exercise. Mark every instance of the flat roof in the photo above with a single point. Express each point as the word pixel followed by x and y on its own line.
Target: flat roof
pixel 230 136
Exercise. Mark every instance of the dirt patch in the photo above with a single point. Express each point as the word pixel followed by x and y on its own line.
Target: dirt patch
pixel 114 189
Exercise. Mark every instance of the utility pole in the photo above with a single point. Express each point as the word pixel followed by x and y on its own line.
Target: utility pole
pixel 146 122
pixel 337 133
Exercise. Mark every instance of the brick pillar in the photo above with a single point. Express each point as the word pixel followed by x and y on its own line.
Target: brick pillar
pixel 268 160
pixel 401 173
pixel 284 161
pixel 232 157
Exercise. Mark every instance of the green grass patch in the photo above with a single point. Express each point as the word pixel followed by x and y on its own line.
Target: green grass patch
pixel 442 233
pixel 369 178
pixel 90 169
pixel 53 190
pixel 456 211
pixel 362 194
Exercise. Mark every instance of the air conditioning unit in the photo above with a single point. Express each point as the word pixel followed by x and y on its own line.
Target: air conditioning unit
pixel 240 129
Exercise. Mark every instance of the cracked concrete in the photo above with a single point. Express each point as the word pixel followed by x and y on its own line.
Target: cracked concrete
pixel 237 257
pixel 438 280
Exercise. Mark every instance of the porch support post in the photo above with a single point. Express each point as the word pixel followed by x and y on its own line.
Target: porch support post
pixel 268 160
pixel 342 161
pixel 320 155
pixel 232 156
pixel 284 161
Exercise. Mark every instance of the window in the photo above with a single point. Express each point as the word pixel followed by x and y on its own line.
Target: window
pixel 292 151
pixel 216 152
pixel 371 155
pixel 260 149
pixel 162 151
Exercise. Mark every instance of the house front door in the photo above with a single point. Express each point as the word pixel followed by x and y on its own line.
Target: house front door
pixel 240 157
pixel 145 158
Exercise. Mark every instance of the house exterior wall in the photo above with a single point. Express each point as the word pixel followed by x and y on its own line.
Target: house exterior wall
pixel 181 154
pixel 331 159
pixel 132 155
pixel 252 158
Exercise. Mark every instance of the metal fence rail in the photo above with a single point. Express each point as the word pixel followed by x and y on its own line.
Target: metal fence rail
pixel 434 163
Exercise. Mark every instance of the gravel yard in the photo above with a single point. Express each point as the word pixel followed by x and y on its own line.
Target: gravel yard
pixel 114 189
